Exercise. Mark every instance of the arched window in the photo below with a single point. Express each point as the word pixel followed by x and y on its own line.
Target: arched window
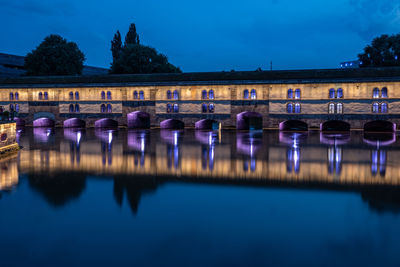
pixel 384 92
pixel 11 107
pixel 71 108
pixel 103 95
pixel 246 94
pixel 40 95
pixel 46 96
pixel 77 108
pixel 384 108
pixel 211 94
pixel 289 108
pixel 204 94
pixel 109 108
pixel 17 107
pixel 169 108
pixel 211 108
pixel 16 96
pixel 290 94
pixel 339 108
pixel 332 93
pixel 176 95
pixel 103 108
pixel 169 96
pixel 375 93
pixel 375 107
pixel 141 95
pixel 204 108
pixel 71 95
pixel 339 93
pixel 135 95
pixel 11 96
pixel 253 94
pixel 176 108
pixel 76 95
pixel 297 93
pixel 109 95
pixel 297 108
pixel 331 109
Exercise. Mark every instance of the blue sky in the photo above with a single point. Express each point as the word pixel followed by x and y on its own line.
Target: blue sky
pixel 207 35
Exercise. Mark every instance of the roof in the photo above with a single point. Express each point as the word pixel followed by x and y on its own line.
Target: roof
pixel 13 66
pixel 213 78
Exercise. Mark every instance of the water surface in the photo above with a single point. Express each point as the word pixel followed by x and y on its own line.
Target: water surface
pixel 186 198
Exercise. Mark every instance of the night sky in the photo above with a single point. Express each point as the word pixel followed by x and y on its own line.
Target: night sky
pixel 207 35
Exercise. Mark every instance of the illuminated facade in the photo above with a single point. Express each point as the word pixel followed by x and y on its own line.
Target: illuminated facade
pixel 268 99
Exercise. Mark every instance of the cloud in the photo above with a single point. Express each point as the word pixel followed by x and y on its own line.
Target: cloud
pixel 42 8
pixel 371 18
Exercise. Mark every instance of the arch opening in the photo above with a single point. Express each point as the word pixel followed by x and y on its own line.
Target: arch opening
pixel 293 125
pixel 74 123
pixel 380 126
pixel 249 120
pixel 43 122
pixel 207 124
pixel 335 126
pixel 138 120
pixel 172 124
pixel 106 123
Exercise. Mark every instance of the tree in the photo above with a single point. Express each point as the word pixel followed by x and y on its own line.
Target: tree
pixel 133 57
pixel 55 56
pixel 132 37
pixel 136 58
pixel 116 45
pixel 384 51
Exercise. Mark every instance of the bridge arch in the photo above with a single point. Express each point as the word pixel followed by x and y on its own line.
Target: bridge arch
pixel 138 120
pixel 43 122
pixel 106 123
pixel 293 125
pixel 379 126
pixel 335 126
pixel 249 120
pixel 74 123
pixel 172 124
pixel 207 124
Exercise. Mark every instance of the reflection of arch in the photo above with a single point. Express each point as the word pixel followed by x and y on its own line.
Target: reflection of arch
pixel 248 143
pixel 207 124
pixel 335 126
pixel 74 123
pixel 106 123
pixel 379 139
pixel 43 122
pixel 138 120
pixel 138 140
pixel 249 120
pixel 172 124
pixel 380 126
pixel 293 125
pixel 334 138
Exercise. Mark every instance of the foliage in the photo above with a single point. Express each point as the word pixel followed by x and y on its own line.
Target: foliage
pixel 134 57
pixel 132 37
pixel 116 45
pixel 384 51
pixel 138 58
pixel 55 56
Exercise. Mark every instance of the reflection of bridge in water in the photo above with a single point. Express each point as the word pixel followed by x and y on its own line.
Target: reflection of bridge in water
pixel 329 159
pixel 58 162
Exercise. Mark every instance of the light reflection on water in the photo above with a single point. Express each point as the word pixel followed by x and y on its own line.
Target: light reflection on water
pixel 352 173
